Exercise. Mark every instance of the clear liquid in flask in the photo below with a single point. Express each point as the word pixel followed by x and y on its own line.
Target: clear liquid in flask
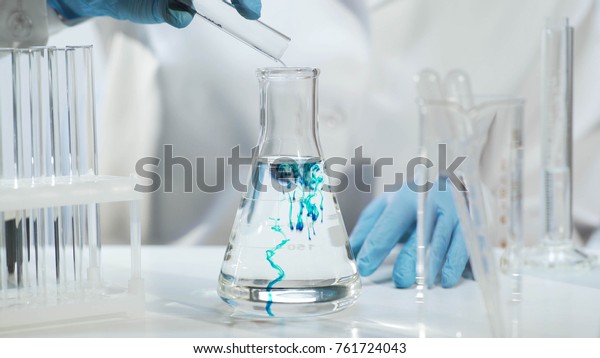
pixel 288 253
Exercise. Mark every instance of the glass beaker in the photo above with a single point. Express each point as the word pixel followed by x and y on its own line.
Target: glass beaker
pixel 486 188
pixel 288 254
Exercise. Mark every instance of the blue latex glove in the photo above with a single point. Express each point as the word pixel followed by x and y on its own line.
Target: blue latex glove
pixel 141 11
pixel 391 219
pixel 250 9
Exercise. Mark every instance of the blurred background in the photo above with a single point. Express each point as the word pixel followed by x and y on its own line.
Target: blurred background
pixel 196 89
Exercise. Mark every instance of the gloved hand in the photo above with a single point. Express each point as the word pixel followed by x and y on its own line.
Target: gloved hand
pixel 391 219
pixel 250 9
pixel 142 11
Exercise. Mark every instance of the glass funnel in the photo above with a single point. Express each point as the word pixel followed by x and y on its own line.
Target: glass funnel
pixel 485 140
pixel 288 254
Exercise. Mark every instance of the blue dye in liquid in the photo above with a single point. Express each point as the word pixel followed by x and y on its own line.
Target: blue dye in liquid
pixel 306 177
pixel 281 274
pixel 303 178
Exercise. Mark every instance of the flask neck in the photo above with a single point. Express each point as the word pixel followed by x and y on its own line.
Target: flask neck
pixel 289 113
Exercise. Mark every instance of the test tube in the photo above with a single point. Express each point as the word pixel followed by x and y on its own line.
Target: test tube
pixel 17 167
pixel 253 33
pixel 36 112
pixel 43 158
pixel 60 143
pixel 22 150
pixel 6 157
pixel 85 161
pixel 57 110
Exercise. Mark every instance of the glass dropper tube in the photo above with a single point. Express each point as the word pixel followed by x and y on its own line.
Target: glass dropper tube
pixel 253 33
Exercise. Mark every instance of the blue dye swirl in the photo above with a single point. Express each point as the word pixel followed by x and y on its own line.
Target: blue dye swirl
pixel 280 271
pixel 307 178
pixel 291 210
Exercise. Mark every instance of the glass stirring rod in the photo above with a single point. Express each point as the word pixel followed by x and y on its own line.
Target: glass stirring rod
pixel 253 33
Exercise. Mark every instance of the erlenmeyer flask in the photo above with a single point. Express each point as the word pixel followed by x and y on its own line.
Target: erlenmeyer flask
pixel 288 253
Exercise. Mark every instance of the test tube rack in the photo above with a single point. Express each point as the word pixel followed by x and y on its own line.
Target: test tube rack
pixel 50 193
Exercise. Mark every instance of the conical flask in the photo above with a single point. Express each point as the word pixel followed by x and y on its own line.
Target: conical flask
pixel 288 254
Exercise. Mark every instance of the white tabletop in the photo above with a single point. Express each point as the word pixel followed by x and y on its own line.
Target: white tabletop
pixel 181 301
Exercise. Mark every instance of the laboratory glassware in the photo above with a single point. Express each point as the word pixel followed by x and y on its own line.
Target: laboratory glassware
pixel 253 33
pixel 486 191
pixel 557 250
pixel 50 247
pixel 288 254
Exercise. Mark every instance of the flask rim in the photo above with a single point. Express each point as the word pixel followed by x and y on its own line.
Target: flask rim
pixel 287 73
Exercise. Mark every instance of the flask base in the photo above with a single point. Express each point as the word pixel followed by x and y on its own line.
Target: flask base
pixel 292 298
pixel 563 258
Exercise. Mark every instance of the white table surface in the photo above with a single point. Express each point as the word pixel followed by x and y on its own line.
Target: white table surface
pixel 181 301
